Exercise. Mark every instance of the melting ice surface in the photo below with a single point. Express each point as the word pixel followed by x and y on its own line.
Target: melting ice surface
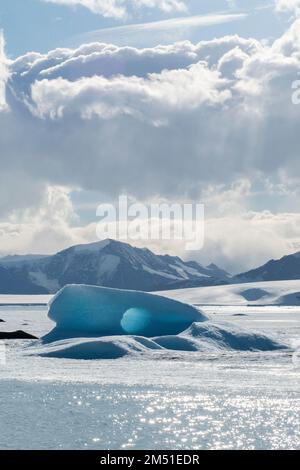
pixel 101 323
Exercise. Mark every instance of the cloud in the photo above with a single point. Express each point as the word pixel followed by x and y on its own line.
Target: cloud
pixel 44 226
pixel 262 235
pixel 138 97
pixel 169 121
pixel 108 60
pixel 59 101
pixel 3 73
pixel 52 224
pixel 119 8
pixel 165 30
pixel 288 6
pixel 228 98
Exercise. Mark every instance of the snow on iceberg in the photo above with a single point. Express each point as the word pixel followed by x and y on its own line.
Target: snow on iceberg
pixel 88 311
pixel 207 338
pixel 210 336
pixel 108 347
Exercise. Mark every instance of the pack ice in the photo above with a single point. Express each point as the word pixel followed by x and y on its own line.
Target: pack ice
pixel 80 310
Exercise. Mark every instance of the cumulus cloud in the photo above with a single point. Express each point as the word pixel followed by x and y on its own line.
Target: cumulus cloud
pixel 169 121
pixel 244 241
pixel 118 8
pixel 289 6
pixel 220 103
pixel 141 98
pixel 44 226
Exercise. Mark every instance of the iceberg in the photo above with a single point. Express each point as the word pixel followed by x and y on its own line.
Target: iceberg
pixel 88 311
pixel 103 323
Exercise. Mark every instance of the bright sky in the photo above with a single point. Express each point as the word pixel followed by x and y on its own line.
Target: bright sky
pixel 42 25
pixel 206 117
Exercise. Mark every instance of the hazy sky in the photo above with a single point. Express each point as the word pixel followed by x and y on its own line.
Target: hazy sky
pixel 159 99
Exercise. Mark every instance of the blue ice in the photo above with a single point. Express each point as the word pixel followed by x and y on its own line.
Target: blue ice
pixel 80 310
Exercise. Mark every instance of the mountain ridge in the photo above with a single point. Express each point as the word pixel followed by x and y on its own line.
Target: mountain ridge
pixel 283 269
pixel 108 263
pixel 116 264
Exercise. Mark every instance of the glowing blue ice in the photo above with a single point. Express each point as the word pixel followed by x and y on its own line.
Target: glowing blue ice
pixel 80 310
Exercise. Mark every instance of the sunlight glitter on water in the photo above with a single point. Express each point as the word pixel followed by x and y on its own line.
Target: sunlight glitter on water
pixel 123 417
pixel 228 401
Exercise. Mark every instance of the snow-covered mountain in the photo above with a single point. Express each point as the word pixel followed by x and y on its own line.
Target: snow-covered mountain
pixel 108 263
pixel 286 268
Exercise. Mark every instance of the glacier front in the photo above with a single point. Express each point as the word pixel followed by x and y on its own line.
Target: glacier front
pixel 80 310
